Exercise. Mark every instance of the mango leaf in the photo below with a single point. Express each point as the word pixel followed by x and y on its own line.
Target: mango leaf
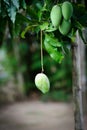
pixel 7 2
pixel 52 40
pixel 20 21
pixel 57 56
pixel 48 47
pixel 78 25
pixel 83 19
pixel 12 13
pixel 53 51
pixel 3 11
pixel 32 28
pixel 32 13
pixel 25 31
pixel 14 2
pixel 80 14
pixel 44 26
pixel 72 34
pixel 12 6
pixel 22 4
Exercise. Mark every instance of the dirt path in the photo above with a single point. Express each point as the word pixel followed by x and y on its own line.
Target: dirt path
pixel 37 116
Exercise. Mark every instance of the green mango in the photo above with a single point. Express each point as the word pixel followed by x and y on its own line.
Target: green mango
pixel 65 26
pixel 56 15
pixel 42 82
pixel 67 10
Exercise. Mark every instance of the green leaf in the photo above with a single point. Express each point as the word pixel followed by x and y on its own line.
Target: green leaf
pixel 24 32
pixel 48 47
pixel 31 28
pixel 77 24
pixel 12 6
pixel 32 13
pixel 12 13
pixel 22 4
pixel 44 26
pixel 53 41
pixel 7 2
pixel 80 14
pixel 51 44
pixel 72 34
pixel 57 56
pixel 16 3
pixel 20 21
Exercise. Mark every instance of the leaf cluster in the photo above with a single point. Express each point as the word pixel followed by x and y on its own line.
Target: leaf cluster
pixel 35 16
pixel 54 43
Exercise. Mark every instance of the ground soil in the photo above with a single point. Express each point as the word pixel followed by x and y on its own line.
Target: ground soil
pixel 37 115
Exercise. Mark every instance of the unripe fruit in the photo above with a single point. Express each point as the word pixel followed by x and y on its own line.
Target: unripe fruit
pixel 42 82
pixel 65 26
pixel 56 15
pixel 67 10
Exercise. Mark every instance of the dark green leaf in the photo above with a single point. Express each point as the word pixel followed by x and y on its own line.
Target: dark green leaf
pixel 57 56
pixel 3 22
pixel 22 4
pixel 12 6
pixel 32 13
pixel 80 14
pixel 12 2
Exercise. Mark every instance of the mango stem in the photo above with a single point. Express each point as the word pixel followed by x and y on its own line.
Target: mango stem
pixel 41 34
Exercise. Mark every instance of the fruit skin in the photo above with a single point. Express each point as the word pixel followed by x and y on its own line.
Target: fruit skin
pixel 67 10
pixel 56 15
pixel 65 26
pixel 42 82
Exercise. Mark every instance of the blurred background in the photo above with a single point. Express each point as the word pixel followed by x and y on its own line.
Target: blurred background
pixel 22 105
pixel 19 64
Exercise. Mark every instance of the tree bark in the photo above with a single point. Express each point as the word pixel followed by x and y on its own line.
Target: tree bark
pixel 83 75
pixel 77 88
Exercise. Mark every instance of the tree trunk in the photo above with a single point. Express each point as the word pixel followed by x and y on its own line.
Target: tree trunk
pixel 77 88
pixel 83 75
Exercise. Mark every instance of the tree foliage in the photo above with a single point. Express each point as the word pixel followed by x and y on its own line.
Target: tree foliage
pixel 23 16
